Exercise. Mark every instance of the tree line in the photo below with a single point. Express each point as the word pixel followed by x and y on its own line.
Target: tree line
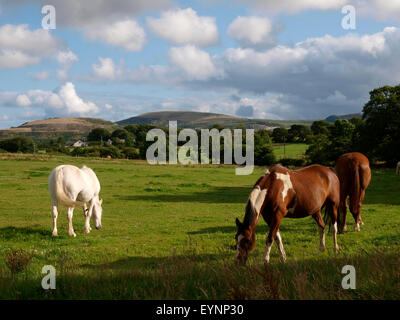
pixel 376 134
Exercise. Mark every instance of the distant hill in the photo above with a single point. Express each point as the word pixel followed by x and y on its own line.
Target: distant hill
pixel 192 119
pixel 70 128
pixel 333 118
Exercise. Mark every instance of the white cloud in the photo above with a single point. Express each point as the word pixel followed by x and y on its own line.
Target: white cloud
pixel 106 70
pixel 126 34
pixel 4 117
pixel 20 46
pixel 252 31
pixel 66 59
pixel 195 63
pixel 22 100
pixel 184 26
pixel 62 102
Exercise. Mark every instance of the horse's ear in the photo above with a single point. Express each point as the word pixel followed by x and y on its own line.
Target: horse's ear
pixel 238 223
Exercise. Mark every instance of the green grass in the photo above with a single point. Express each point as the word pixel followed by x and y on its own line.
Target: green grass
pixel 168 233
pixel 290 150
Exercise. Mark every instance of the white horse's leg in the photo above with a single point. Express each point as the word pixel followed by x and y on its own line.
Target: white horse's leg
pixel 279 243
pixel 87 219
pixel 55 215
pixel 335 244
pixel 70 227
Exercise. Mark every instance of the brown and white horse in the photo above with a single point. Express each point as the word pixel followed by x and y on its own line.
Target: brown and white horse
pixel 354 175
pixel 281 193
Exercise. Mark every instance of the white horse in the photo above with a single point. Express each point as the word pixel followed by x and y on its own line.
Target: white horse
pixel 398 168
pixel 71 187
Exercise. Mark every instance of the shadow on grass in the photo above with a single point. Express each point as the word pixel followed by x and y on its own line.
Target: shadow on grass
pixel 14 233
pixel 135 263
pixel 214 195
pixel 212 276
pixel 262 228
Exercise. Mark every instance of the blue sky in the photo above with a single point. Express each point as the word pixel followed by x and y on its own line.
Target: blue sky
pixel 116 59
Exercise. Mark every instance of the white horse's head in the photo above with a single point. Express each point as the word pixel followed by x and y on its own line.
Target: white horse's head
pixel 97 213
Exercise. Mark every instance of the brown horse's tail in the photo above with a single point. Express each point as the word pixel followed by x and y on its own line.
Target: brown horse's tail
pixel 356 189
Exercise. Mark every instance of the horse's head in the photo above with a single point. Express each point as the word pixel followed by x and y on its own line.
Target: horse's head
pixel 245 241
pixel 97 213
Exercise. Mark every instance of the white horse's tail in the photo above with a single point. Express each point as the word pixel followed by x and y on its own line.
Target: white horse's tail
pixel 60 193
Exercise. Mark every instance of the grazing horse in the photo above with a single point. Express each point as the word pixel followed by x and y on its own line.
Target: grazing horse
pixel 398 168
pixel 71 187
pixel 281 193
pixel 354 175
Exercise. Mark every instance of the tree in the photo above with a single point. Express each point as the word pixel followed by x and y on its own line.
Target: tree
pixel 263 151
pixel 99 134
pixel 298 133
pixel 280 135
pixel 18 144
pixel 320 127
pixel 382 127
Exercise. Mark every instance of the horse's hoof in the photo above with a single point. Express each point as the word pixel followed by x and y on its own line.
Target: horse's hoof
pixel 87 231
pixel 54 234
pixel 72 234
pixel 321 249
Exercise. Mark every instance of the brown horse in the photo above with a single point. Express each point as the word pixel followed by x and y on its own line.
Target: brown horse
pixel 354 175
pixel 281 193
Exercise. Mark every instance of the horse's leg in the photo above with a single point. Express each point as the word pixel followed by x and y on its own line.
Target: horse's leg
pixel 87 214
pixel 332 211
pixel 273 230
pixel 54 215
pixel 279 243
pixel 343 212
pixel 355 209
pixel 321 227
pixel 70 213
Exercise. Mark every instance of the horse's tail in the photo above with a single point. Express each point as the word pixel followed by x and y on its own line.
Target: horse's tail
pixel 60 192
pixel 356 190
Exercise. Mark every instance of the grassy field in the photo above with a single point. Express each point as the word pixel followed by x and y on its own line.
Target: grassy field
pixel 290 150
pixel 168 233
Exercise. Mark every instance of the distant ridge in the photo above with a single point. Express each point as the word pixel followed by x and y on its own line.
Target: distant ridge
pixel 333 118
pixel 193 119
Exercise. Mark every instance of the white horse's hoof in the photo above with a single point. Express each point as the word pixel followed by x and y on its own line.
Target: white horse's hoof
pixel 87 230
pixel 54 234
pixel 72 234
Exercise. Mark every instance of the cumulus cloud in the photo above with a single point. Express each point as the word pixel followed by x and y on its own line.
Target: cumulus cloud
pixel 20 46
pixel 105 70
pixel 62 102
pixel 253 31
pixel 310 79
pixel 127 34
pixel 184 26
pixel 22 100
pixel 195 63
pixel 66 59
